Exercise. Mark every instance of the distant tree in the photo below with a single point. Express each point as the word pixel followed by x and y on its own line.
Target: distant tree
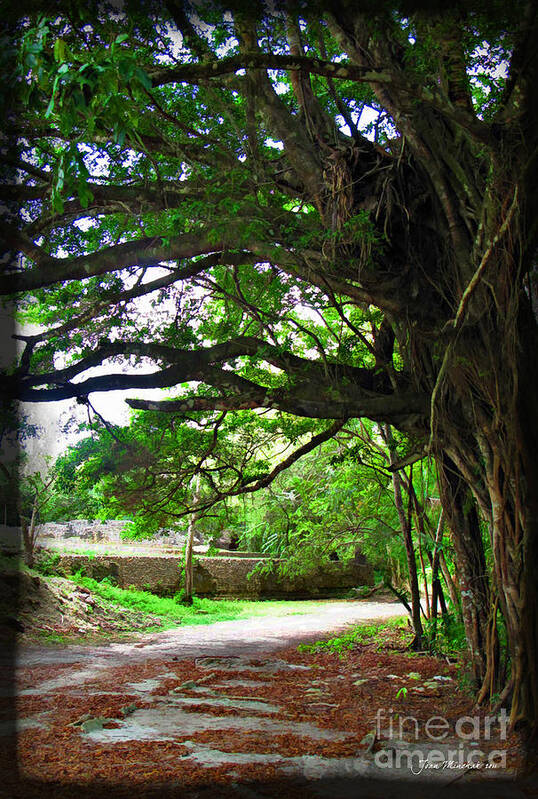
pixel 34 493
pixel 332 494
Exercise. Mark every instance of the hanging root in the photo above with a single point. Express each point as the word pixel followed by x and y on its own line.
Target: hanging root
pixel 492 657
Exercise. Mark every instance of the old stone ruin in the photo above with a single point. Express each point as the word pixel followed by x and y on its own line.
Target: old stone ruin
pixel 155 564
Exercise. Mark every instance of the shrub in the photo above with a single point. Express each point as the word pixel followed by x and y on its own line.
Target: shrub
pixel 47 564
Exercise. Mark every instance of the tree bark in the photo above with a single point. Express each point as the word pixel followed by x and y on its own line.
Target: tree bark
pixel 462 518
pixel 511 466
pixel 29 536
pixel 188 586
pixel 450 584
pixel 405 525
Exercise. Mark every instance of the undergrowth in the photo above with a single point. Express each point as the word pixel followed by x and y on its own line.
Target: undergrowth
pixel 363 633
pixel 202 610
pixel 445 635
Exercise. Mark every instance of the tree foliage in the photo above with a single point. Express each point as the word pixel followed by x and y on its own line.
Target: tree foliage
pixel 328 212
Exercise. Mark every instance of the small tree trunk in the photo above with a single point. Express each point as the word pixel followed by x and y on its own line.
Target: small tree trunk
pixel 418 512
pixel 436 585
pixel 188 584
pixel 437 591
pixel 450 584
pixel 29 537
pixel 441 597
pixel 188 587
pixel 424 577
pixel 405 525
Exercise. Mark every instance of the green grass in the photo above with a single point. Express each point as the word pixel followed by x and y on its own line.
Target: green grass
pixel 202 611
pixel 54 638
pixel 361 634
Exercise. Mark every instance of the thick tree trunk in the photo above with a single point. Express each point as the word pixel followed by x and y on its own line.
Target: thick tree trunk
pixel 491 439
pixel 525 666
pixel 512 481
pixel 462 518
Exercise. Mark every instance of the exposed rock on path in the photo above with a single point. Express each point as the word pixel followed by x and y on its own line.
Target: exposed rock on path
pixel 232 710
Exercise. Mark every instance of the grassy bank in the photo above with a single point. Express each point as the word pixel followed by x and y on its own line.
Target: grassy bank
pixel 52 607
pixel 202 611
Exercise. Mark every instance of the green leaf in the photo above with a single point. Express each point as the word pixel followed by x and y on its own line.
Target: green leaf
pixel 85 195
pixel 126 69
pixel 59 50
pixel 119 135
pixel 57 203
pixel 143 78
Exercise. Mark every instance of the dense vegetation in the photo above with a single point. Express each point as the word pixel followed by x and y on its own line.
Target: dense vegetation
pixel 328 215
pixel 334 500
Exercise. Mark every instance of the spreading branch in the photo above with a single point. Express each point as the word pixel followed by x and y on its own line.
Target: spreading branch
pixel 149 251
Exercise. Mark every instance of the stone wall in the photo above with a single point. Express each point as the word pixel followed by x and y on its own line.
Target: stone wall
pixel 230 576
pixel 219 576
pixel 109 531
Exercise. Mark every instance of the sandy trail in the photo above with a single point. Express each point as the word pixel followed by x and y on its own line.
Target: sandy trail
pixel 238 637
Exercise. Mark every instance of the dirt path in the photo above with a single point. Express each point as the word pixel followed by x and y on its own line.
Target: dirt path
pixel 233 710
pixel 239 637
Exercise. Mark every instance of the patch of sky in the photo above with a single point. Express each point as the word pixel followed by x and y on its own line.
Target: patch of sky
pixel 278 145
pixel 491 66
pixel 174 44
pixel 97 161
pixel 86 224
pixel 342 125
pixel 224 49
pixel 273 75
pixel 281 88
pixel 200 26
